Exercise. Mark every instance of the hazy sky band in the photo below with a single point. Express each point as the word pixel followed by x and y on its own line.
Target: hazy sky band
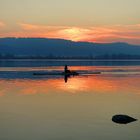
pixel 83 18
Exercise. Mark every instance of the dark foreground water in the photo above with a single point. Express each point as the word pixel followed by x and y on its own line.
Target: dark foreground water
pixel 47 108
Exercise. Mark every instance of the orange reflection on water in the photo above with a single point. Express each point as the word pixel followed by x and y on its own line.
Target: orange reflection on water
pixel 29 87
pixel 88 84
pixel 83 84
pixel 74 84
pixel 1 93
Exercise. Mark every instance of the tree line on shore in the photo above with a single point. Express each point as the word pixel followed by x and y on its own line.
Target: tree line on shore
pixel 98 57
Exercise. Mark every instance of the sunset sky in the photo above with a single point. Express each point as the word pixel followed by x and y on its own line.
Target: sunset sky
pixel 78 20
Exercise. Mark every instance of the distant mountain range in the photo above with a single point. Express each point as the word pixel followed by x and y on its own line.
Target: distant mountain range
pixel 62 48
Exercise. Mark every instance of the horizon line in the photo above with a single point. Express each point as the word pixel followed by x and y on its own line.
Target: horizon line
pixel 113 42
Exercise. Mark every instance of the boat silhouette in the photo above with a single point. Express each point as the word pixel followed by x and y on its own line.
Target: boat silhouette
pixel 66 73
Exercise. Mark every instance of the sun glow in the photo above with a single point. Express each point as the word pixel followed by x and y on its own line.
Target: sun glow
pixel 99 34
pixel 74 33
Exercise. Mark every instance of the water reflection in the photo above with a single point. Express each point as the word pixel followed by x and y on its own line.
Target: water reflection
pixel 105 84
pixel 48 108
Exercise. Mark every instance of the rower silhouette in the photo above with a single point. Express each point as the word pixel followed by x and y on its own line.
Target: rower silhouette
pixel 68 73
pixel 66 70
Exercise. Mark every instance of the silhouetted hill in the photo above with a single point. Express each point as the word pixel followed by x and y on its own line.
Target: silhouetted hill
pixel 60 47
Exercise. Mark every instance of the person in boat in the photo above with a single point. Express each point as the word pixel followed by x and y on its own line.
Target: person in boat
pixel 66 70
pixel 69 72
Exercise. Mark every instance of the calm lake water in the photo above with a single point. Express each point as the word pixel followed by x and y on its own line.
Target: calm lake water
pixel 47 108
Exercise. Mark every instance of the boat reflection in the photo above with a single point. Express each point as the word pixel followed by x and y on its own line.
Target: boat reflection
pixel 66 73
pixel 83 84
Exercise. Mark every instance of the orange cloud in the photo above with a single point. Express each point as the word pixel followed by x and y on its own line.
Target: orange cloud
pixel 126 33
pixel 98 34
pixel 2 24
